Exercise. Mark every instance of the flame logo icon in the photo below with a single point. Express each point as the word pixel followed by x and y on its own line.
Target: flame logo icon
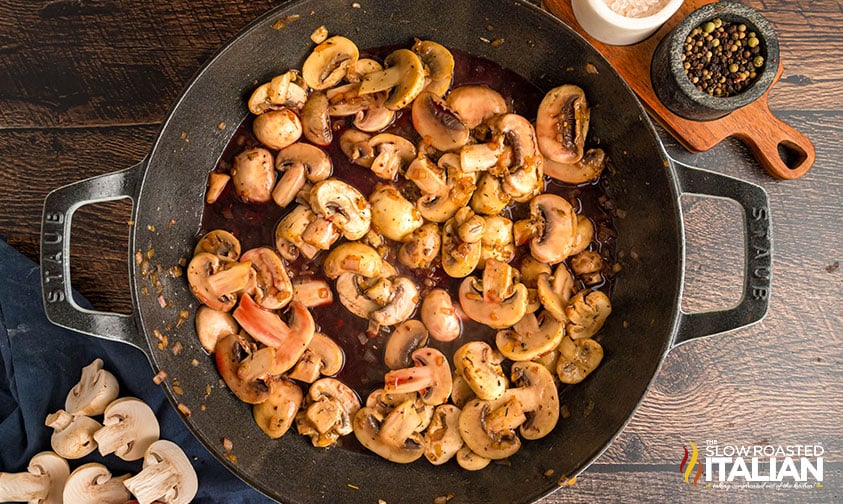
pixel 687 466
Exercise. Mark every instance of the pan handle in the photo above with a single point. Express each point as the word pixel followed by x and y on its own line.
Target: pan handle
pixel 59 207
pixel 758 249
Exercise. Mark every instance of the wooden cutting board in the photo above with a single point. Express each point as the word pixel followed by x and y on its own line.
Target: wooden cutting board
pixel 780 149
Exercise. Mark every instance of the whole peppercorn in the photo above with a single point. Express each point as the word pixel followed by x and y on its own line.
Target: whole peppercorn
pixel 722 58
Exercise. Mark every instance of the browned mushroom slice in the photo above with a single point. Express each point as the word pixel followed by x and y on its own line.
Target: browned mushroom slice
pixel 588 265
pixel 222 294
pixel 394 437
pixel 428 176
pixel 230 352
pixel 316 121
pixel 253 176
pixel 217 182
pixel 587 169
pixel 555 228
pixel 555 291
pixel 406 338
pixel 343 205
pixel 535 390
pixel 354 257
pixel 480 366
pixel 439 316
pixel 531 337
pixel 375 116
pixel 476 104
pixel 402 76
pixel 285 90
pixel 392 153
pixel 421 247
pixel 438 64
pixel 497 241
pixel 562 124
pixel 577 359
pixel 329 409
pixel 393 215
pixel 276 415
pixel 277 128
pixel 273 289
pixel 438 124
pixel 461 246
pixel 522 177
pixel 507 307
pixel 329 62
pixel 488 436
pixel 219 242
pixel 402 303
pixel 312 292
pixel 586 313
pixel 323 357
pixel 442 439
pixel 489 198
pixel 430 377
pixel 289 233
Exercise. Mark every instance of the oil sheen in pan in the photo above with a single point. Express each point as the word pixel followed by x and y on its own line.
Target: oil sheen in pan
pixel 254 224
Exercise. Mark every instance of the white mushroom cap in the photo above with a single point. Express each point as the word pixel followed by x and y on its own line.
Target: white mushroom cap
pixel 42 484
pixel 130 426
pixel 167 476
pixel 92 484
pixel 93 392
pixel 276 415
pixel 73 436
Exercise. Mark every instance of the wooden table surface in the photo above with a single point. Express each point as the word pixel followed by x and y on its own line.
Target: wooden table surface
pixel 85 84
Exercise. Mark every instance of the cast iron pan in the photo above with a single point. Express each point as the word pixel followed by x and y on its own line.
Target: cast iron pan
pixel 167 190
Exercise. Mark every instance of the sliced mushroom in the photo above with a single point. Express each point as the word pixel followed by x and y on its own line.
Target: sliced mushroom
pixel 211 325
pixel 221 294
pixel 461 391
pixel 459 256
pixel 439 316
pixel 298 163
pixel 393 215
pixel 253 176
pixel 354 257
pixel 471 461
pixel 430 377
pixel 129 427
pixel 530 270
pixel 361 68
pixel 442 438
pixel 94 391
pixel 406 338
pixel 438 64
pixel 323 357
pixel 461 186
pixel 277 128
pixel 288 341
pixel 522 176
pixel 484 434
pixel 330 407
pixel 587 169
pixel 41 484
pixel 345 100
pixel 509 305
pixel 230 353
pixel 375 116
pixel 587 310
pixel 394 437
pixel 216 184
pixel 220 243
pixel 489 198
pixel 497 241
pixel 312 292
pixel 588 265
pixel 392 153
pixel 428 176
pixel 355 145
pixel 343 205
pixel 476 104
pixel 273 289
pixel 555 291
pixel 316 121
pixel 402 76
pixel 92 483
pixel 421 247
pixel 555 228
pixel 480 366
pixel 438 124
pixel 531 337
pixel 282 91
pixel 405 298
pixel 577 359
pixel 537 397
pixel 276 415
pixel 562 124
pixel 167 476
pixel 350 290
pixel 329 62
pixel 73 436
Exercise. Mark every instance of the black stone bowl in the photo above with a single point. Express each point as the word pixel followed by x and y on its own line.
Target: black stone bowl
pixel 674 88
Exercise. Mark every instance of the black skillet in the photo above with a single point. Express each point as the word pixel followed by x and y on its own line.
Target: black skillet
pixel 167 191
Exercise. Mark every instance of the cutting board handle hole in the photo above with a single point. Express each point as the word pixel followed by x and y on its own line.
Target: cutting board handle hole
pixel 791 154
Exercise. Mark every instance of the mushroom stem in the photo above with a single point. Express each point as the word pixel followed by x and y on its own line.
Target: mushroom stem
pixel 506 417
pixel 414 379
pixel 400 423
pixel 24 487
pixel 230 280
pixel 153 482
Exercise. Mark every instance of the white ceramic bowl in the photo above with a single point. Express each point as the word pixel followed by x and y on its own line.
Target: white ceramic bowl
pixel 609 27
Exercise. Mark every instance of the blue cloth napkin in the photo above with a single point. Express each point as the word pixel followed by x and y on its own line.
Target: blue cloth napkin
pixel 40 363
